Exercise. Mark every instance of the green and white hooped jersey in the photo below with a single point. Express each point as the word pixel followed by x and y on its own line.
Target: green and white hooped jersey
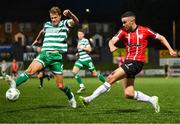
pixel 83 55
pixel 55 36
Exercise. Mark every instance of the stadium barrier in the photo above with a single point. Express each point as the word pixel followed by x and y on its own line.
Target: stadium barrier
pixel 175 72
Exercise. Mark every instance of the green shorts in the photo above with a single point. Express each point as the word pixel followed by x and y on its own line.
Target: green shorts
pixel 52 60
pixel 87 64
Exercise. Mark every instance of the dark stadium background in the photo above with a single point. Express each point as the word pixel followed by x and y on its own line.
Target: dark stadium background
pixel 36 10
pixel 158 14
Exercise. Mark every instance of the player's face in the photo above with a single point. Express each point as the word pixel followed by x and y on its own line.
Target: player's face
pixel 38 49
pixel 14 60
pixel 55 18
pixel 128 23
pixel 80 35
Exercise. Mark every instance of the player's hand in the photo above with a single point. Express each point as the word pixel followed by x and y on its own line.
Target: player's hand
pixel 77 54
pixel 172 52
pixel 80 47
pixel 112 43
pixel 66 12
pixel 113 48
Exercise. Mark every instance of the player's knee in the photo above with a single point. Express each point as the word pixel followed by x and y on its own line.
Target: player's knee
pixel 73 72
pixel 39 76
pixel 94 74
pixel 30 71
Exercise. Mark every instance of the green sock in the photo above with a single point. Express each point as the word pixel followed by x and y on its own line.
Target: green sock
pixel 22 78
pixel 67 91
pixel 78 78
pixel 101 78
pixel 3 74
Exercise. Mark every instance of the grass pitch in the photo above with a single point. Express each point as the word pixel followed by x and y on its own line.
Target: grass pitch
pixel 50 105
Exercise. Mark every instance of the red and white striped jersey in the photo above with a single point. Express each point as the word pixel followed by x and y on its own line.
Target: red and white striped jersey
pixel 120 60
pixel 136 42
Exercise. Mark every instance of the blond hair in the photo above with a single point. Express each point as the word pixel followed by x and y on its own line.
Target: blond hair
pixel 55 10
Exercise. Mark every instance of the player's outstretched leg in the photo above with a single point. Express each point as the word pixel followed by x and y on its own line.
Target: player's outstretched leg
pixel 81 88
pixel 70 95
pixel 48 77
pixel 41 82
pixel 22 78
pixel 99 91
pixel 140 96
pixel 11 82
pixel 101 77
pixel 155 103
pixel 72 101
pixel 81 84
pixel 82 101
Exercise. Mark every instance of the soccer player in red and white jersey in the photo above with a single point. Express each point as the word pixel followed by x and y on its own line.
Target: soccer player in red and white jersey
pixel 14 68
pixel 136 40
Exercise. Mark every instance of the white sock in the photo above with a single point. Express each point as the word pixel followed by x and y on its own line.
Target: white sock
pixel 138 95
pixel 81 85
pixel 100 90
pixel 12 84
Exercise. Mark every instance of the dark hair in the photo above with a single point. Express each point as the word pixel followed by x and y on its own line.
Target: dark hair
pixel 81 30
pixel 128 14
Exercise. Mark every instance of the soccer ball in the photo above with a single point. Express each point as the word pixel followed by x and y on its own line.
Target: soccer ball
pixel 12 94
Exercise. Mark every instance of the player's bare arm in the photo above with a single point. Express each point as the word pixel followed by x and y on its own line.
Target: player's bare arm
pixel 112 43
pixel 163 40
pixel 88 49
pixel 74 20
pixel 41 33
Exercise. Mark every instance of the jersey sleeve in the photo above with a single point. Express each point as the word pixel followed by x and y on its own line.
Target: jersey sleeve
pixel 67 23
pixel 87 44
pixel 120 34
pixel 151 33
pixel 45 26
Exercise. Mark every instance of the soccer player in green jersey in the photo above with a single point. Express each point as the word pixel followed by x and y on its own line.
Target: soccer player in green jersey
pixel 4 68
pixel 55 34
pixel 84 60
